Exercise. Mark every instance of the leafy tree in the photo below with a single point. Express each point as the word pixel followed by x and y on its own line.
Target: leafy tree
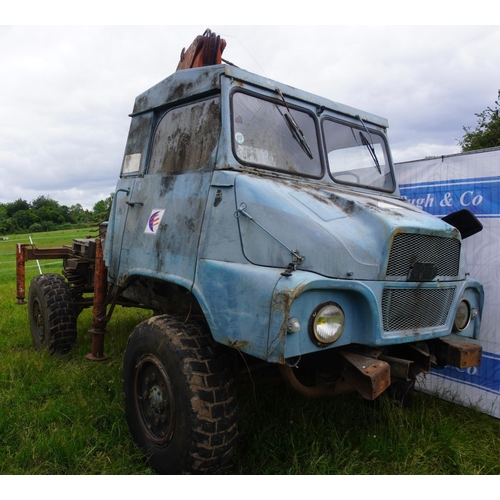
pixel 50 213
pixel 64 210
pixel 16 206
pixel 23 219
pixel 102 208
pixel 78 214
pixel 49 210
pixel 44 201
pixel 48 225
pixel 36 228
pixel 4 222
pixel 487 131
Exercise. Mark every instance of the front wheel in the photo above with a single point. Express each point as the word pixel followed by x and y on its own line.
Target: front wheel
pixel 180 396
pixel 52 314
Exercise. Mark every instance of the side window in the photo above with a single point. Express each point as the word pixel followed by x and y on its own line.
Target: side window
pixel 137 143
pixel 185 138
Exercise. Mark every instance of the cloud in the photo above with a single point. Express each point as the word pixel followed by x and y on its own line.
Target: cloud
pixel 66 91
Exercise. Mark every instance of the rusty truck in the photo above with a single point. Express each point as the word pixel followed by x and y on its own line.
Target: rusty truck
pixel 263 226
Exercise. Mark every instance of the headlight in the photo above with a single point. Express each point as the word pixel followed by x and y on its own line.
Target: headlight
pixel 462 316
pixel 326 324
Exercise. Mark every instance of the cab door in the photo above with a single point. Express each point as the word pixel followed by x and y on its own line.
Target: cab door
pixel 166 205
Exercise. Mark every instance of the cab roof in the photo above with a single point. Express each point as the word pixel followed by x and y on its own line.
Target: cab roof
pixel 187 83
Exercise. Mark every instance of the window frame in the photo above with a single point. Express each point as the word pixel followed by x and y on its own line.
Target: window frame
pixel 371 131
pixel 276 101
pixel 162 113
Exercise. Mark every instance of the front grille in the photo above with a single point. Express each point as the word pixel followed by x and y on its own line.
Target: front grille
pixel 409 248
pixel 413 308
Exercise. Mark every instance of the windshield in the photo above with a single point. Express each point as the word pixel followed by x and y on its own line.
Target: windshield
pixel 357 156
pixel 274 136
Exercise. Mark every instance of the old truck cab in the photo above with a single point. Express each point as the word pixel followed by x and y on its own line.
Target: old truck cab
pixel 277 213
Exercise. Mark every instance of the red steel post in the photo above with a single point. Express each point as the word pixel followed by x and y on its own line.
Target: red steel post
pixel 100 286
pixel 20 274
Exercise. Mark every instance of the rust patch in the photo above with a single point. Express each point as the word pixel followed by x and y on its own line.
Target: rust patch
pixel 347 206
pixel 205 50
pixel 25 252
pixel 99 310
pixel 239 345
pixel 282 303
pixel 167 185
pixel 180 91
pixel 283 300
pixel 20 274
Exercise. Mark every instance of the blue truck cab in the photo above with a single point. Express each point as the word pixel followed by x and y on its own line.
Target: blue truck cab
pixel 276 215
pixel 263 226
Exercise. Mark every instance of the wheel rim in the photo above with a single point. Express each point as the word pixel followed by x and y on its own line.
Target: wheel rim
pixel 37 313
pixel 154 400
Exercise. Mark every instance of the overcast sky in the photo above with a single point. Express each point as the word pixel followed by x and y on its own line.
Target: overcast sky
pixel 66 91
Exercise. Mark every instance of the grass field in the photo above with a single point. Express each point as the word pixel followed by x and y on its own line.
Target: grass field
pixel 64 414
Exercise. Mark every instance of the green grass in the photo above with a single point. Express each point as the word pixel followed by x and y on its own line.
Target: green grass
pixel 65 415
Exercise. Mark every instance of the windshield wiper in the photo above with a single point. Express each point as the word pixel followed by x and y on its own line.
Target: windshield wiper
pixel 368 145
pixel 294 128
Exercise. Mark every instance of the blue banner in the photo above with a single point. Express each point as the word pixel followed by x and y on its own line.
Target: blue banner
pixel 485 377
pixel 455 183
pixel 479 195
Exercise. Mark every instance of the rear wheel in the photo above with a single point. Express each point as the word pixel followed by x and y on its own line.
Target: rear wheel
pixel 51 313
pixel 180 396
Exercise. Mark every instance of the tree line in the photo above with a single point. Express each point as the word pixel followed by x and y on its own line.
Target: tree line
pixel 46 214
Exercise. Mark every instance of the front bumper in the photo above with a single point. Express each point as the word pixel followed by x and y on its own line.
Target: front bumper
pixel 377 314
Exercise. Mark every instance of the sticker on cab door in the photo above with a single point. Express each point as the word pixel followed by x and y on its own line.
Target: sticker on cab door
pixel 154 221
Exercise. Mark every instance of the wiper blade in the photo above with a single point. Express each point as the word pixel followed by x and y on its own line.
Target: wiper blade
pixel 297 133
pixel 368 145
pixel 294 128
pixel 370 148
